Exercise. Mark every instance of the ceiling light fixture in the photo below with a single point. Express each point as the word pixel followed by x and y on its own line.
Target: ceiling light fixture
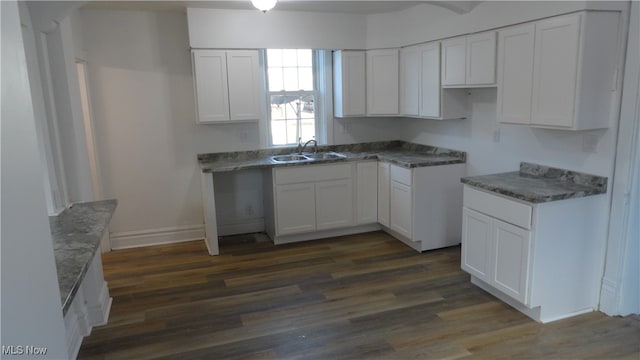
pixel 264 5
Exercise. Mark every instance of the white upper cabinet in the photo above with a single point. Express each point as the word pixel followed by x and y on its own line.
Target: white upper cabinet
pixel 570 78
pixel 227 85
pixel 210 78
pixel 515 74
pixel 469 60
pixel 410 63
pixel 453 61
pixel 430 91
pixel 243 69
pixel 555 66
pixel 481 59
pixel 421 93
pixel 382 82
pixel 349 83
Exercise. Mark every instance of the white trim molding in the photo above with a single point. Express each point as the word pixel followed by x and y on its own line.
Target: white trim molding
pixel 168 235
pixel 620 294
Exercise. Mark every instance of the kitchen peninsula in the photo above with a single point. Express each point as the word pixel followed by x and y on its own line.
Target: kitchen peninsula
pixel 77 233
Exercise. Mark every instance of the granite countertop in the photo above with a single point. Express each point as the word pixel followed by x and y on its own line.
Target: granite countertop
pixel 76 233
pixel 401 153
pixel 538 183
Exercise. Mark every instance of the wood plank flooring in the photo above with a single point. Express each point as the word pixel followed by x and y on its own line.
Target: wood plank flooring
pixel 352 297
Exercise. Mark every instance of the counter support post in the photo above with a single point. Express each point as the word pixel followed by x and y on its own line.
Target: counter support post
pixel 209 206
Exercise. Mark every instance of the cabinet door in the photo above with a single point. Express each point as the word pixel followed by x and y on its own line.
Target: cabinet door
pixel 210 77
pixel 515 74
pixel 367 192
pixel 410 81
pixel 556 69
pixel 477 241
pixel 382 82
pixel 511 260
pixel 384 185
pixel 295 208
pixel 481 59
pixel 349 83
pixel 401 213
pixel 453 61
pixel 430 90
pixel 243 70
pixel 334 204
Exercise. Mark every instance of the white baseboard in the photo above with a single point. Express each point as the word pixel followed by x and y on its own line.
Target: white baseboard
pixel 131 239
pixel 609 297
pixel 245 227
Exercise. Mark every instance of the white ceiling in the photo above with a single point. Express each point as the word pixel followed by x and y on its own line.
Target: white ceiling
pixel 356 7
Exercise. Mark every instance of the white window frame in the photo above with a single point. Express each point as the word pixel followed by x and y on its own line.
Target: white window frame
pixel 323 104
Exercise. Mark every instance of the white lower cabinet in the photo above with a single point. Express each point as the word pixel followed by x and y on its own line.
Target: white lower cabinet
pixel 383 193
pixel 496 252
pixel 419 206
pixel 367 192
pixel 309 200
pixel 296 211
pixel 541 259
pixel 477 232
pixel 401 215
pixel 334 204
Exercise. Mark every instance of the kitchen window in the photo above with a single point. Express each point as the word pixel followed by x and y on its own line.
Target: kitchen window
pixel 293 96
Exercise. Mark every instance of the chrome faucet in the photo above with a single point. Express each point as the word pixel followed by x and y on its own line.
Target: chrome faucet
pixel 302 147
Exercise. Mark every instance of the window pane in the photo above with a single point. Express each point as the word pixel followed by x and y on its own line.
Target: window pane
pixel 291 79
pixel 279 132
pixel 305 57
pixel 278 112
pixel 305 78
pixel 275 79
pixel 289 58
pixel 292 114
pixel 274 57
pixel 308 129
pixel 292 133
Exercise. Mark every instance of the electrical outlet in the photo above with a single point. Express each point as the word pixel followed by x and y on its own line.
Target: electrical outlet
pixel 589 143
pixel 347 126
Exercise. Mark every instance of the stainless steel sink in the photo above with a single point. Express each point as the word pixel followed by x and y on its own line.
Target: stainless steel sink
pixel 295 158
pixel 290 158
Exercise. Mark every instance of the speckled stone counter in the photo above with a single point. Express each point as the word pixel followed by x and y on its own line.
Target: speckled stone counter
pixel 401 153
pixel 76 233
pixel 538 184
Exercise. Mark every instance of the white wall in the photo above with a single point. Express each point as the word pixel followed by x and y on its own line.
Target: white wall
pixel 212 28
pixel 31 308
pixel 144 113
pixel 356 130
pixel 517 143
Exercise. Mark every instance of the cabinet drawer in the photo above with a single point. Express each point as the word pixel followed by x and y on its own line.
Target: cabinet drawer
pixel 507 210
pixel 307 173
pixel 401 175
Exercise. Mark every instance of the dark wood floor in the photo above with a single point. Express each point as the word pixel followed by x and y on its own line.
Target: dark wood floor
pixel 360 296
